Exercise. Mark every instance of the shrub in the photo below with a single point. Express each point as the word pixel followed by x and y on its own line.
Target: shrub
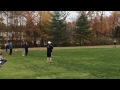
pixel 102 41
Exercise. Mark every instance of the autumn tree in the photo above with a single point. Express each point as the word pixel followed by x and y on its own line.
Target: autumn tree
pixel 71 32
pixel 6 15
pixel 116 32
pixel 114 22
pixel 30 31
pixel 44 26
pixel 2 29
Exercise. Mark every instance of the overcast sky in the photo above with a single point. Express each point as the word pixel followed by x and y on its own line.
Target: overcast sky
pixel 73 14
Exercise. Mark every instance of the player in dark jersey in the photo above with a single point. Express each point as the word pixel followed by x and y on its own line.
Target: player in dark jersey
pixel 49 52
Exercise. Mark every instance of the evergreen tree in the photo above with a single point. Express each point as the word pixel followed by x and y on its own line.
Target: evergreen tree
pixel 82 29
pixel 116 32
pixel 58 27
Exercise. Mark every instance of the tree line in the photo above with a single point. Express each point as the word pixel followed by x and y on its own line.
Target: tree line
pixel 37 27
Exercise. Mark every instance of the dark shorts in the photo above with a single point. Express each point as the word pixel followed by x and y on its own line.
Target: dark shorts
pixel 49 54
pixel 114 43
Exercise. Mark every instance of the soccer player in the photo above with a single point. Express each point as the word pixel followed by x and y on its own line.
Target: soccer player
pixel 49 52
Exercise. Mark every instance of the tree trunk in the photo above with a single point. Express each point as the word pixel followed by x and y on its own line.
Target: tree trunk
pixel 42 42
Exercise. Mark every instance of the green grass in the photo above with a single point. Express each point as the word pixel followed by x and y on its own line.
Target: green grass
pixel 68 63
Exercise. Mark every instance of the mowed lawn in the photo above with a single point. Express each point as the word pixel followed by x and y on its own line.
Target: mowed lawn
pixel 100 62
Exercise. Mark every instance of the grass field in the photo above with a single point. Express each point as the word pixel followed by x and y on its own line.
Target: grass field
pixel 95 62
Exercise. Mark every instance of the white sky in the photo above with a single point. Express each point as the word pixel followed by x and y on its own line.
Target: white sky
pixel 73 15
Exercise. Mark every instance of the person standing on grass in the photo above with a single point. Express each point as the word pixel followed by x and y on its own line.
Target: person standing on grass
pixel 23 48
pixel 10 47
pixel 6 47
pixel 49 52
pixel 115 42
pixel 26 48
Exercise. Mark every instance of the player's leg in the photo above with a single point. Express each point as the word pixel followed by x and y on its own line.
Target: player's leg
pixel 51 57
